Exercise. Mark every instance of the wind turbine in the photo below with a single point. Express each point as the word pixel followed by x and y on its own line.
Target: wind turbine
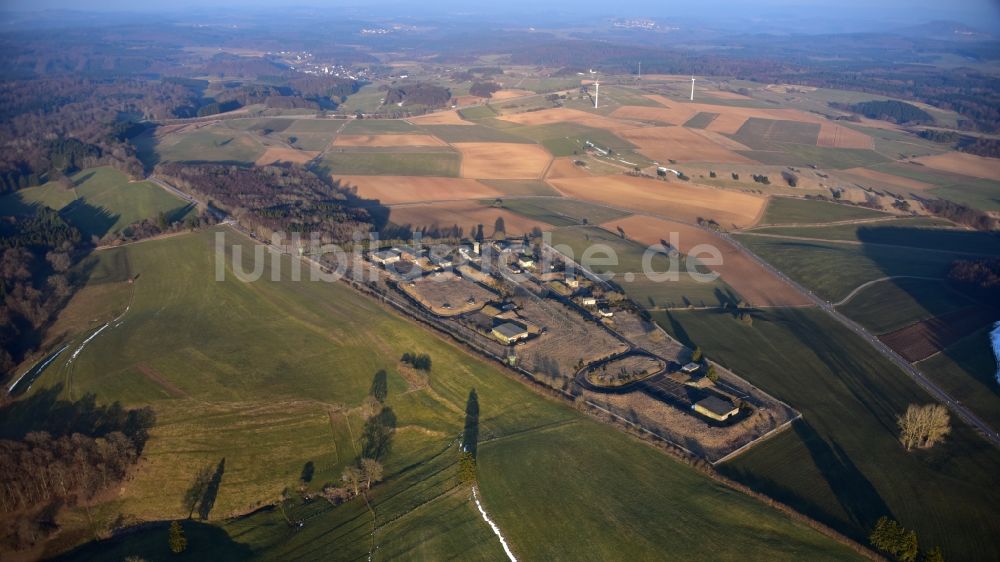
pixel 692 88
pixel 597 91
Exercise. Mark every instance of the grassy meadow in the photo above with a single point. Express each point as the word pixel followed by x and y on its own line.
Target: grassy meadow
pixel 101 201
pixel 833 269
pixel 270 375
pixel 789 210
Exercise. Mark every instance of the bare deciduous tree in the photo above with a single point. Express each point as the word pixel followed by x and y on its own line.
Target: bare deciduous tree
pixel 923 426
pixel 371 471
pixel 352 478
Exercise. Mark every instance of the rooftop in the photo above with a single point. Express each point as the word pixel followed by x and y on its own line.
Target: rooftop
pixel 510 329
pixel 716 405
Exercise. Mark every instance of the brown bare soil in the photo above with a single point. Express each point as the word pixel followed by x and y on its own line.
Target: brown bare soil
pixel 563 115
pixel 276 154
pixel 964 164
pixel 466 100
pixel 754 283
pixel 676 200
pixel 680 144
pixel 498 160
pixel 565 168
pixel 923 339
pixel 440 118
pixel 388 140
pixel 889 179
pixel 561 342
pixel 153 375
pixel 463 213
pixel 411 189
pixel 509 94
pixel 447 294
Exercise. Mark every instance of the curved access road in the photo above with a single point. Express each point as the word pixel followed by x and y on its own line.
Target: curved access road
pixel 933 389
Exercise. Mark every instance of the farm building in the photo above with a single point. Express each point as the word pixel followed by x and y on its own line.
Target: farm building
pixel 572 282
pixel 716 408
pixel 510 332
pixel 690 368
pixel 589 301
pixel 526 262
pixel 386 257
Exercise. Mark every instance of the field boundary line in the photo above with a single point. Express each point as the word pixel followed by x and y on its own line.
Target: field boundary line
pixel 781 428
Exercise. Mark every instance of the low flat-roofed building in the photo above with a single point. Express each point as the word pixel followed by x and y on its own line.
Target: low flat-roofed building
pixel 716 408
pixel 385 257
pixel 510 332
pixel 691 368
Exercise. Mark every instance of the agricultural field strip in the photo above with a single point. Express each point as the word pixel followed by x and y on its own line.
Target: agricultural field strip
pixel 933 389
pixel 867 284
pixel 857 243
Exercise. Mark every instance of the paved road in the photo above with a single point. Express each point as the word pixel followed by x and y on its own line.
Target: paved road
pixel 934 390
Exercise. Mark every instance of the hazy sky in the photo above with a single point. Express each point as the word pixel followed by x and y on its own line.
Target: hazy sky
pixel 984 14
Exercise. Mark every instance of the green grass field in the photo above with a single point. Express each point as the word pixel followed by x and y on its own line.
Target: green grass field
pixel 820 156
pixel 967 371
pixel 391 163
pixel 899 144
pixel 789 210
pixel 895 303
pixel 269 374
pixel 377 127
pixel 472 133
pixel 842 462
pixel 834 269
pixel 214 143
pixel 478 112
pixel 103 201
pixel 918 232
pixel 516 188
pixel 566 139
pixel 976 192
pixel 771 134
pixel 701 120
pixel 563 212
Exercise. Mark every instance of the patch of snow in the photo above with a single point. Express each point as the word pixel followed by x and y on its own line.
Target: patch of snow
pixel 496 529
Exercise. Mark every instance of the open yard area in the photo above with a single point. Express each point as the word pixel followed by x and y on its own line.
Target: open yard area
pixel 447 294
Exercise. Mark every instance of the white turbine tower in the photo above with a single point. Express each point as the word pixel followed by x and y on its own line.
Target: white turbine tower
pixel 597 91
pixel 692 88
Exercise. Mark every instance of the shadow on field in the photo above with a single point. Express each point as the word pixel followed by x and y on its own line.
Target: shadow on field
pixel 149 542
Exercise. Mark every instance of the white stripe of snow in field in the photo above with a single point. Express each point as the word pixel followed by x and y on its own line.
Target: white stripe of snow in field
pixel 86 341
pixel 40 368
pixel 496 529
